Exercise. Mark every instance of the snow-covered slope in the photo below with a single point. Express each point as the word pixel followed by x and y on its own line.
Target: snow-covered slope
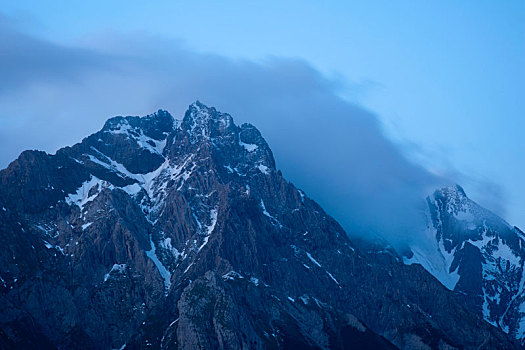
pixel 475 252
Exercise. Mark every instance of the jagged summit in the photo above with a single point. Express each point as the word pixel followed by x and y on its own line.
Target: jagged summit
pixel 473 251
pixel 199 118
pixel 463 210
pixel 154 125
pixel 205 128
pixel 454 200
pixel 455 192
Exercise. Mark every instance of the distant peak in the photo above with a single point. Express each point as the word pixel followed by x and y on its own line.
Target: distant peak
pixel 452 191
pixel 453 196
pixel 199 107
pixel 153 125
pixel 199 118
pixel 161 113
pixel 198 104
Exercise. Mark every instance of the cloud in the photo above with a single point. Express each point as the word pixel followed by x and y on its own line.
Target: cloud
pixel 335 150
pixel 26 59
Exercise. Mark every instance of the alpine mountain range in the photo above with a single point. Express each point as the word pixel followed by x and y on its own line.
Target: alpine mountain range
pixel 181 234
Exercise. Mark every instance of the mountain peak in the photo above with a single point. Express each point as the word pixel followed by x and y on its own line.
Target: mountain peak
pixel 238 149
pixel 475 252
pixel 200 119
pixel 155 125
pixel 452 192
pixel 198 104
pixel 453 197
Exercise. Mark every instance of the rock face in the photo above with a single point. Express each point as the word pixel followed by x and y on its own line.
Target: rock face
pixel 158 233
pixel 474 252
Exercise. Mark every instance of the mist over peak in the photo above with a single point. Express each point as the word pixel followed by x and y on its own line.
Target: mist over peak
pixel 334 149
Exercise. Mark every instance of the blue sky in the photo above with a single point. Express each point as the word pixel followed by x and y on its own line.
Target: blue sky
pixel 444 80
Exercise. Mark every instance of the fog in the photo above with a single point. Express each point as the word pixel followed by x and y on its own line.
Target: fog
pixel 335 150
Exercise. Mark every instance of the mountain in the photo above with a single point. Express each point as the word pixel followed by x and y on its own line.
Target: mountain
pixel 167 234
pixel 474 252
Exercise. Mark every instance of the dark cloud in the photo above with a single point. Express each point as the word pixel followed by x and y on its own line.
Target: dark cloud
pixel 333 149
pixel 25 59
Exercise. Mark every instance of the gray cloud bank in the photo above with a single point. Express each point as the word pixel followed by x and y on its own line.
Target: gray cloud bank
pixel 52 95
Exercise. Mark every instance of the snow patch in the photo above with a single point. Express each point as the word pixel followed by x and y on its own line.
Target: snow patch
pixel 81 197
pixel 312 259
pixel 332 277
pixel 435 259
pixel 166 244
pixel 265 212
pixel 117 268
pixel 232 275
pixel 305 299
pixel 50 246
pixel 248 146
pixel 263 169
pixel 187 268
pixel 209 228
pixel 166 275
pixel 132 189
